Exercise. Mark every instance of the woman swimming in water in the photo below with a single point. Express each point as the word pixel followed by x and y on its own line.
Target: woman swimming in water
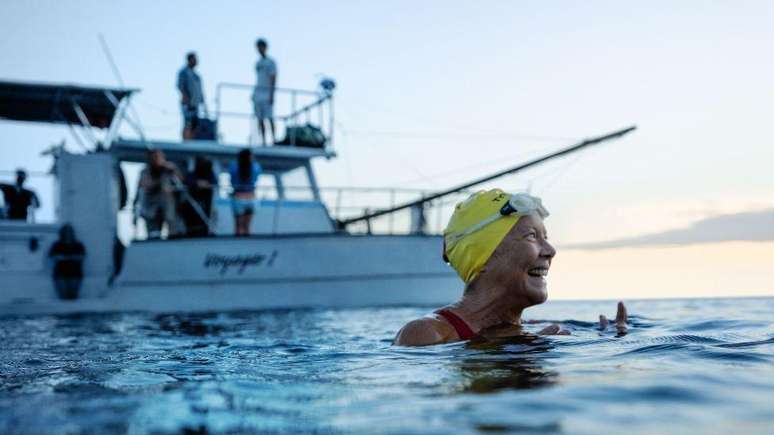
pixel 498 245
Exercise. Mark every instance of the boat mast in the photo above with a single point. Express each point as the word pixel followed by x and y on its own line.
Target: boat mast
pixel 342 224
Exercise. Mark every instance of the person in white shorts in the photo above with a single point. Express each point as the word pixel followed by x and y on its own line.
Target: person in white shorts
pixel 263 95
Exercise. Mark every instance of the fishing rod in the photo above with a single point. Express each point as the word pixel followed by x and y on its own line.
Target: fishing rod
pixel 342 223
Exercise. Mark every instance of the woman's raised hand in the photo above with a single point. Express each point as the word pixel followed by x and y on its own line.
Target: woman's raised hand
pixel 621 320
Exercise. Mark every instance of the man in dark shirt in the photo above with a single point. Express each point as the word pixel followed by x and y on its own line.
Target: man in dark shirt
pixel 189 83
pixel 201 184
pixel 18 199
pixel 67 253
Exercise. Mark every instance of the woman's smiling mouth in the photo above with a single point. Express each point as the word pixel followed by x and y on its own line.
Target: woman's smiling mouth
pixel 540 272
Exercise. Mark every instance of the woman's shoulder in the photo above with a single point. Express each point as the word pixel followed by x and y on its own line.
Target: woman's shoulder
pixel 424 331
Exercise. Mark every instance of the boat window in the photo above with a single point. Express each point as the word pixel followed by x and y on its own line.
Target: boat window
pixel 297 185
pixel 267 187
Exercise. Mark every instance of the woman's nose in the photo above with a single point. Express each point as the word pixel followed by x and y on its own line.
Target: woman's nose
pixel 548 250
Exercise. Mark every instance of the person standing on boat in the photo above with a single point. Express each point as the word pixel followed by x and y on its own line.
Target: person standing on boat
pixel 19 199
pixel 67 253
pixel 157 187
pixel 244 174
pixel 263 95
pixel 191 95
pixel 201 183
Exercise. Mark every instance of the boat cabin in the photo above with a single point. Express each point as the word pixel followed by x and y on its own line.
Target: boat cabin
pixel 297 209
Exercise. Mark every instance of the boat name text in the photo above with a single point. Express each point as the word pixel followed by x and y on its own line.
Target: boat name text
pixel 240 262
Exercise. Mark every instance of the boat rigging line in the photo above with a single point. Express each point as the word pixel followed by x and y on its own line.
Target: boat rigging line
pixel 342 224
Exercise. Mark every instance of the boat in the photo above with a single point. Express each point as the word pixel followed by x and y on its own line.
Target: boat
pixel 297 255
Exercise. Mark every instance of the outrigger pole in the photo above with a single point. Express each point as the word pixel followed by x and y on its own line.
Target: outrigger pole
pixel 577 147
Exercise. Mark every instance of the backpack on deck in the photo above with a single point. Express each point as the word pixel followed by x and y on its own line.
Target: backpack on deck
pixel 304 136
pixel 205 129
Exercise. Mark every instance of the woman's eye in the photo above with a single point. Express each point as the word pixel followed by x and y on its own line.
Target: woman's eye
pixel 532 235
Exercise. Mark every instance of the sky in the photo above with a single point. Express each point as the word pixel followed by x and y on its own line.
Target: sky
pixel 432 94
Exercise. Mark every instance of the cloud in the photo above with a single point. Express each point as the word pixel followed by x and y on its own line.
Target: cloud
pixel 755 226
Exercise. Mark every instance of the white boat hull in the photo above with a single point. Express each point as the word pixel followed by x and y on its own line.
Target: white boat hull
pixel 215 274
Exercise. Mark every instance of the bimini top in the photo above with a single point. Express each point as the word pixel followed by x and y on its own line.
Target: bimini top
pixel 60 104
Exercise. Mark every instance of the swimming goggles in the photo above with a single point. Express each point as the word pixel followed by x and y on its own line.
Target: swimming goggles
pixel 520 204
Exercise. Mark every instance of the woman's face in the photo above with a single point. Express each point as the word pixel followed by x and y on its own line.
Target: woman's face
pixel 520 263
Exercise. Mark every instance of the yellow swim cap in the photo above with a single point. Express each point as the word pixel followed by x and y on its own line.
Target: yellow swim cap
pixel 479 224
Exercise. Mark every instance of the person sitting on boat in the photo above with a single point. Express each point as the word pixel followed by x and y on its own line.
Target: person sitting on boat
pixel 157 186
pixel 244 174
pixel 498 245
pixel 67 253
pixel 263 95
pixel 191 95
pixel 201 183
pixel 19 199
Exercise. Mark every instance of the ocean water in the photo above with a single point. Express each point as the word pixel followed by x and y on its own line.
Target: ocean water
pixel 685 366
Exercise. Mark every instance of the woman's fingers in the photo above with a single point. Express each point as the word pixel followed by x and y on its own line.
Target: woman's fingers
pixel 621 316
pixel 621 319
pixel 554 329
pixel 550 330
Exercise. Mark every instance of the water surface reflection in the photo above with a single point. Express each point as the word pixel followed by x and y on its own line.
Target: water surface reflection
pixel 510 363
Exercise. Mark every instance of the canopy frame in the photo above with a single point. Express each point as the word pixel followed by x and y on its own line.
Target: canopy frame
pixel 90 108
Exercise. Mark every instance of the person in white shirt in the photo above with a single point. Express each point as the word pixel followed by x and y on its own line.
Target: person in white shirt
pixel 263 95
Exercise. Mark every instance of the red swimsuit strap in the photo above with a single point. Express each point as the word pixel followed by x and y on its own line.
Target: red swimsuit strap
pixel 462 328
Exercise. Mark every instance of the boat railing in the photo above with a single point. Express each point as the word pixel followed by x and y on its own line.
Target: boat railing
pixel 343 203
pixel 299 108
pixel 347 202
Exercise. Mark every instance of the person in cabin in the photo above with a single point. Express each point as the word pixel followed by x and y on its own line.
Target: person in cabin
pixel 244 174
pixel 498 244
pixel 201 183
pixel 263 94
pixel 191 95
pixel 19 199
pixel 157 187
pixel 67 255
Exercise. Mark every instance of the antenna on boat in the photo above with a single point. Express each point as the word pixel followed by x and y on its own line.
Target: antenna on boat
pixel 134 121
pixel 522 166
pixel 110 59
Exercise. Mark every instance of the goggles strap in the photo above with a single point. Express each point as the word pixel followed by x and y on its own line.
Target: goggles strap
pixel 455 237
